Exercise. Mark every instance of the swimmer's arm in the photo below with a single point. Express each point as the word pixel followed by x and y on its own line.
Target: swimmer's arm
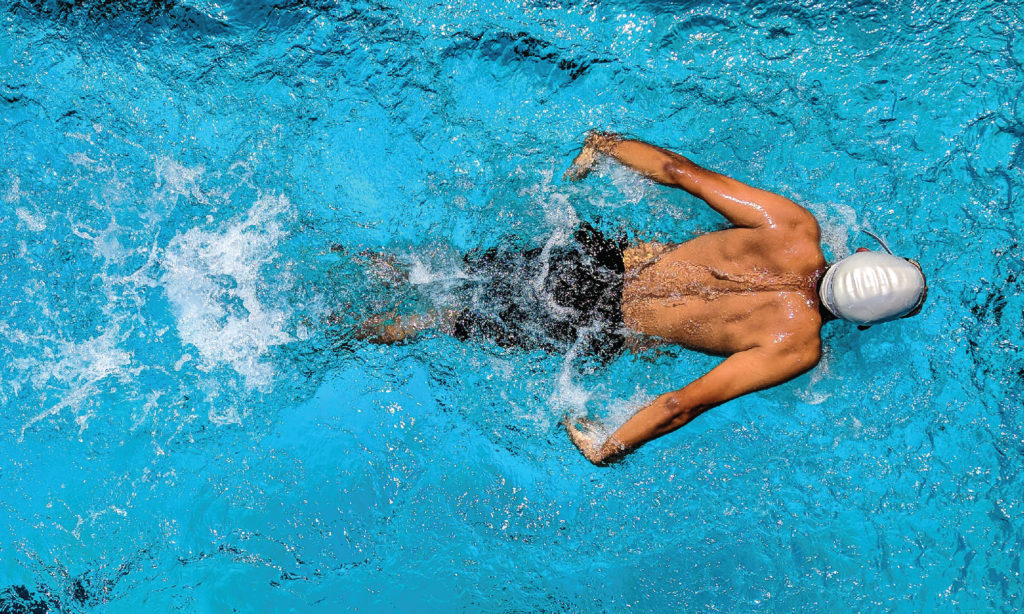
pixel 740 203
pixel 742 373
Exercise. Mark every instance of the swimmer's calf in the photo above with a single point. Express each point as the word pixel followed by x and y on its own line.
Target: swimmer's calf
pixel 388 328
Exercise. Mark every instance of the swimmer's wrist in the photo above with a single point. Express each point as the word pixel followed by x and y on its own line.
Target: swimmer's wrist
pixel 610 453
pixel 603 142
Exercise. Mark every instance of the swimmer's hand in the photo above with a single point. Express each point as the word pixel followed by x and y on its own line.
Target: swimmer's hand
pixel 595 143
pixel 582 165
pixel 586 435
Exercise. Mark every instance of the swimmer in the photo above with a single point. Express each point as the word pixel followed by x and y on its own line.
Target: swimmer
pixel 756 293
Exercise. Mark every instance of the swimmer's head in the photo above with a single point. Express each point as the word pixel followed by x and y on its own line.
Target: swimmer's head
pixel 873 287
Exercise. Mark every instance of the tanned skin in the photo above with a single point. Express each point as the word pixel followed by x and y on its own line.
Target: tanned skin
pixel 748 293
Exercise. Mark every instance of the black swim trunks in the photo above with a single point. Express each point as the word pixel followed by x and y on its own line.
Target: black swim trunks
pixel 551 298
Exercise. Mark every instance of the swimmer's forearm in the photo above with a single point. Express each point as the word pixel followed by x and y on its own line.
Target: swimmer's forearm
pixel 741 204
pixel 667 413
pixel 658 164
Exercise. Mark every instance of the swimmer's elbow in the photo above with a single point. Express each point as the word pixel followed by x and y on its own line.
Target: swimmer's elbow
pixel 808 356
pixel 678 410
pixel 794 219
pixel 681 172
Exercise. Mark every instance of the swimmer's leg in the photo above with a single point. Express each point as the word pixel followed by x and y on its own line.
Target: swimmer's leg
pixel 389 328
pixel 385 267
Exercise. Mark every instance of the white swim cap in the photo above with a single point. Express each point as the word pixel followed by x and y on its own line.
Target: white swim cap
pixel 872 287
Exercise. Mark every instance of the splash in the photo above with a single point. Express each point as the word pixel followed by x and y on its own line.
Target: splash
pixel 33 222
pixel 81 367
pixel 568 396
pixel 105 242
pixel 424 273
pixel 14 192
pixel 214 281
pixel 633 186
pixel 837 222
pixel 173 178
pixel 817 390
pixel 572 398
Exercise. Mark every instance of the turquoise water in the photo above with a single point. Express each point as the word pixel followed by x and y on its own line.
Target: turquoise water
pixel 180 427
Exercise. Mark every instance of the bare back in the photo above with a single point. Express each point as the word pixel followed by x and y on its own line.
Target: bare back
pixel 727 291
pixel 748 293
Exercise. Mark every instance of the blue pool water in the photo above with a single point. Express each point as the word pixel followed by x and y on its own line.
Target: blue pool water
pixel 180 429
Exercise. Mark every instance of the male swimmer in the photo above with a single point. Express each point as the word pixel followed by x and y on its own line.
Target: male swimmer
pixel 757 293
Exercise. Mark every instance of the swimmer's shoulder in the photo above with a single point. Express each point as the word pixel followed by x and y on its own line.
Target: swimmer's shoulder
pixel 794 220
pixel 797 349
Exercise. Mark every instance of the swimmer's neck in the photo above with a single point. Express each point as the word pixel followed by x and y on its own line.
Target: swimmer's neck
pixel 826 315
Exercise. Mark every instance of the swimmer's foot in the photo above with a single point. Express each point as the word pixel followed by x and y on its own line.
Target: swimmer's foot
pixel 384 267
pixel 387 328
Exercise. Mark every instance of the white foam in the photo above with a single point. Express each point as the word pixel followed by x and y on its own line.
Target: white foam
pixel 422 273
pixel 176 178
pixel 571 398
pixel 836 221
pixel 559 237
pixel 32 222
pixel 568 396
pixel 150 406
pixel 558 213
pixel 105 242
pixel 82 420
pixel 181 361
pixel 173 180
pixel 621 410
pixel 209 274
pixel 14 192
pixel 221 412
pixel 81 366
pixel 82 159
pixel 87 361
pixel 821 377
pixel 633 186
